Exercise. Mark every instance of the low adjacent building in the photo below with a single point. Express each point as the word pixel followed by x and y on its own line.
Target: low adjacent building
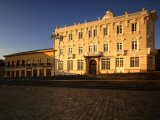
pixel 36 63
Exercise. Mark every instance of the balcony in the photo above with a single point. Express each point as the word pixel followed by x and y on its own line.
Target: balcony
pixel 151 51
pixel 93 54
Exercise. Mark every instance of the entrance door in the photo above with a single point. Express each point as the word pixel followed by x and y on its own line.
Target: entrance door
pixel 92 67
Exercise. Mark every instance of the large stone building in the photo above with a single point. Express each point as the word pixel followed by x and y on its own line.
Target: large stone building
pixel 37 63
pixel 111 44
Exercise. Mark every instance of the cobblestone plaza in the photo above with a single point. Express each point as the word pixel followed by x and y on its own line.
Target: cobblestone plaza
pixel 55 103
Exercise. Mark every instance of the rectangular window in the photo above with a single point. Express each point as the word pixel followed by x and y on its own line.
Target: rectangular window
pixel 95 33
pixel 94 48
pixel 119 62
pixel 90 33
pixel 134 45
pixel 70 65
pixel 90 48
pixel 134 27
pixel 80 65
pixel 60 65
pixel 70 50
pixel 119 46
pixel 106 47
pixel 80 36
pixel 105 31
pixel 80 50
pixel 70 36
pixel 119 29
pixel 105 64
pixel 61 37
pixel 134 62
pixel 60 51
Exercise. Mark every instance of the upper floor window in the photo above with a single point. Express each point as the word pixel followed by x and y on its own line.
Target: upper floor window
pixel 48 60
pixel 61 37
pixel 90 33
pixel 60 51
pixel 70 50
pixel 134 27
pixel 95 48
pixel 90 48
pixel 119 29
pixel 134 45
pixel 70 36
pixel 106 47
pixel 134 62
pixel 95 33
pixel 80 50
pixel 80 35
pixel 119 46
pixel 105 31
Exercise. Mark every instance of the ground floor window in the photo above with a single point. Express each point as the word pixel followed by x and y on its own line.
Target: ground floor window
pixel 22 73
pixel 60 65
pixel 70 65
pixel 119 62
pixel 105 63
pixel 134 62
pixel 80 65
pixel 17 73
pixel 41 72
pixel 8 74
pixel 48 72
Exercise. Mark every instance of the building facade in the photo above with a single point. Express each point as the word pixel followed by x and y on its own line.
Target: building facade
pixel 2 68
pixel 37 63
pixel 111 44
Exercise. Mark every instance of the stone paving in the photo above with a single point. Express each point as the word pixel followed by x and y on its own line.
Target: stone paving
pixel 54 103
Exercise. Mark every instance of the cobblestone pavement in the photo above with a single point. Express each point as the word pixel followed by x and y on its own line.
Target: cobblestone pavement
pixel 51 103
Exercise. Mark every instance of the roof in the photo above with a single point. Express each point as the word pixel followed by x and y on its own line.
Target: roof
pixel 30 52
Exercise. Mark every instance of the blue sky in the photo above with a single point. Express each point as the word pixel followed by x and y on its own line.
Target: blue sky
pixel 26 24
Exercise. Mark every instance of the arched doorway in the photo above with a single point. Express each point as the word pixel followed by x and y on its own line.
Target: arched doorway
pixel 92 67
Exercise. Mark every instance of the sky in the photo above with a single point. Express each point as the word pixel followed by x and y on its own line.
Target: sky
pixel 27 24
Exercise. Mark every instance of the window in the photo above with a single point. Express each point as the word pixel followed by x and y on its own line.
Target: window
pixel 150 61
pixel 48 60
pixel 94 48
pixel 134 45
pixel 69 50
pixel 134 27
pixel 80 65
pixel 106 47
pixel 61 37
pixel 60 65
pixel 119 29
pixel 134 62
pixel 95 33
pixel 119 62
pixel 60 51
pixel 80 50
pixel 70 65
pixel 90 48
pixel 70 36
pixel 105 31
pixel 119 46
pixel 80 35
pixel 90 33
pixel 105 64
